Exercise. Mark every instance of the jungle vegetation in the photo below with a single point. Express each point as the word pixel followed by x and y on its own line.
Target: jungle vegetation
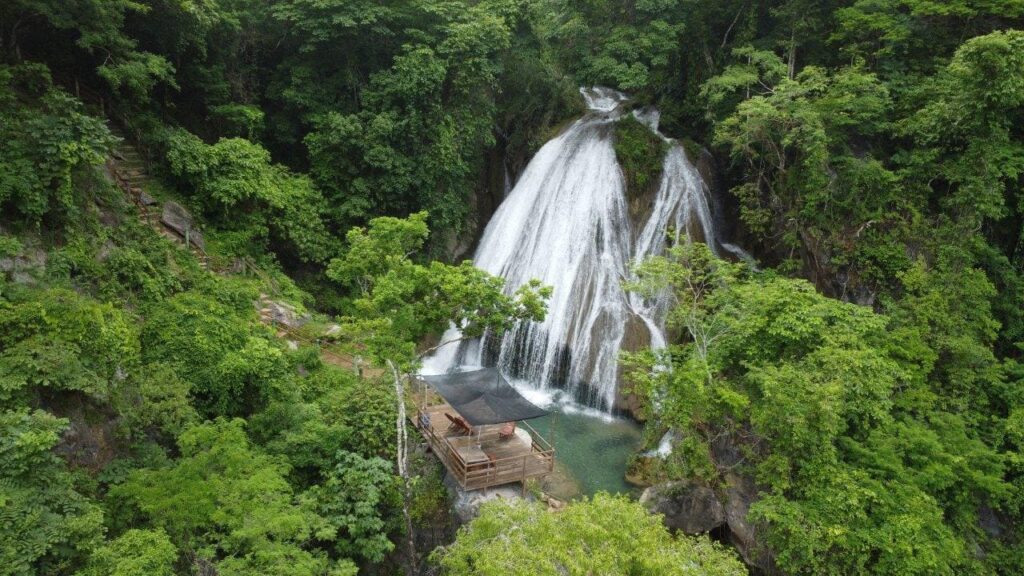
pixel 868 371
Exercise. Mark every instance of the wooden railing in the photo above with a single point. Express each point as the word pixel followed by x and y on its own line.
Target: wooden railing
pixel 538 461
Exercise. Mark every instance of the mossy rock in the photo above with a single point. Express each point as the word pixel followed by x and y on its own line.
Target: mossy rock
pixel 694 151
pixel 643 470
pixel 641 154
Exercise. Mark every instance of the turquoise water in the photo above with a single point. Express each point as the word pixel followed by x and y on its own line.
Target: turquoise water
pixel 591 448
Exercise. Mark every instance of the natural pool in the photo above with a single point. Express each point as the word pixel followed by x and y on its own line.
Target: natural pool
pixel 591 448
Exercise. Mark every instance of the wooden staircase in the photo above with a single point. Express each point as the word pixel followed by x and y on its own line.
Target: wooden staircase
pixel 129 168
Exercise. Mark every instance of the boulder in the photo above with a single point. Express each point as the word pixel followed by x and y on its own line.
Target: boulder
pixel 466 503
pixel 285 315
pixel 688 507
pixel 109 218
pixel 561 484
pixel 105 251
pixel 177 218
pixel 990 522
pixel 25 267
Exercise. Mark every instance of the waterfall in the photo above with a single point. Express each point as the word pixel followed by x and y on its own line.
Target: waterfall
pixel 566 222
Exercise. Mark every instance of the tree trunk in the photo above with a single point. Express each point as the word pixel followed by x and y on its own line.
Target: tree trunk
pixel 792 55
pixel 403 467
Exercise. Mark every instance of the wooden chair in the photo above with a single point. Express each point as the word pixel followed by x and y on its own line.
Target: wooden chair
pixel 458 424
pixel 508 430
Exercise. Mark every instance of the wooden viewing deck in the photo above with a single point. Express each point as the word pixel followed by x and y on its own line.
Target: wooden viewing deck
pixel 484 459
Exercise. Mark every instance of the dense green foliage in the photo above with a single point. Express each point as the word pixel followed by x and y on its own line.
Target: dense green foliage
pixel 606 535
pixel 238 187
pixel 871 457
pixel 48 142
pixel 49 526
pixel 387 106
pixel 867 379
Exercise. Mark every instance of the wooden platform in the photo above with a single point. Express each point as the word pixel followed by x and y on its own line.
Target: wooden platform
pixel 483 459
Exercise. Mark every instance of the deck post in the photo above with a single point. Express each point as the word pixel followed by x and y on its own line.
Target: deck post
pixel 524 475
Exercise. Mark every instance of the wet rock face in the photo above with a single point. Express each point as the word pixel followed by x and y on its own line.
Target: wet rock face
pixel 690 508
pixel 696 508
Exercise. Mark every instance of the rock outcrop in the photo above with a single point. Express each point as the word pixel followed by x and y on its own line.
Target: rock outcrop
pixel 177 218
pixel 280 313
pixel 466 503
pixel 692 508
pixel 696 508
pixel 24 267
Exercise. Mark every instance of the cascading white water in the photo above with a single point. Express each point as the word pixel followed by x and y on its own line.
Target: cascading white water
pixel 566 222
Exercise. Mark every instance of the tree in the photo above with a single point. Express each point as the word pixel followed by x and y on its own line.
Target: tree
pixel 412 141
pixel 804 187
pixel 310 421
pixel 134 553
pixel 830 408
pixel 57 341
pixel 907 36
pixel 238 185
pixel 401 301
pixel 967 132
pixel 354 499
pixel 605 535
pixel 49 145
pixel 49 526
pixel 226 503
pixel 99 27
pixel 631 46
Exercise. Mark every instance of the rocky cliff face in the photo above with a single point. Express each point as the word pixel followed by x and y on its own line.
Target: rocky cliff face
pixel 502 167
pixel 720 508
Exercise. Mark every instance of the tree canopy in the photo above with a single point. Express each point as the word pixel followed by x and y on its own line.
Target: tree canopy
pixel 172 409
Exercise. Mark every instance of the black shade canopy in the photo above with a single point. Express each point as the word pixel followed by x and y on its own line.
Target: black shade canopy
pixel 483 397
